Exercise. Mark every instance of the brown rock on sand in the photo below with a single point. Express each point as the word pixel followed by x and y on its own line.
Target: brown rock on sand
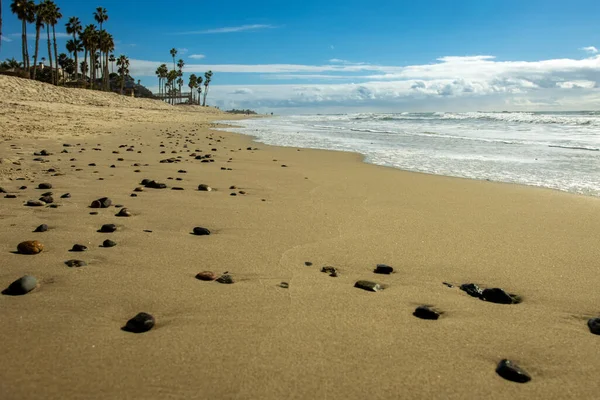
pixel 30 247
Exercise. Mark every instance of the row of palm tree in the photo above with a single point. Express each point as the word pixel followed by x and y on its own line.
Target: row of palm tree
pixel 171 81
pixel 95 42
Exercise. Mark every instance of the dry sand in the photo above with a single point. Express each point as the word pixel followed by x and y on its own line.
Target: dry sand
pixel 321 338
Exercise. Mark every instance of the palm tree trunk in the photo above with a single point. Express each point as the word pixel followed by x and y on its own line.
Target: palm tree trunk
pixel 24 42
pixel 76 64
pixel 50 54
pixel 55 52
pixel 85 61
pixel 37 47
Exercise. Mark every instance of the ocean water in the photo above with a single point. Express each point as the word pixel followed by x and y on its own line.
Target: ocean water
pixel 558 150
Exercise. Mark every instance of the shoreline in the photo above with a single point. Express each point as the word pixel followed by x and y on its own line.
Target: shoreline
pixel 318 336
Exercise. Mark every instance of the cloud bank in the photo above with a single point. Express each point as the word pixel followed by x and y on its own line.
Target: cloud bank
pixel 228 29
pixel 455 83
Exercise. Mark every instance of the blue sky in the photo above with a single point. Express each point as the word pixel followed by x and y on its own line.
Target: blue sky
pixel 296 56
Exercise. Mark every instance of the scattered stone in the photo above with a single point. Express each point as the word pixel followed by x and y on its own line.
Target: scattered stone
pixel 383 269
pixel 21 286
pixel 103 202
pixel 426 312
pixel 47 199
pixel 30 247
pixel 594 325
pixel 2 190
pixel 79 247
pixel 308 263
pixel 206 276
pixel 10 196
pixel 330 270
pixel 41 228
pixel 138 189
pixel 155 185
pixel 22 187
pixel 204 188
pixel 177 188
pixel 284 285
pixel 108 228
pixel 472 290
pixel 142 322
pixel 133 195
pixel 123 212
pixel 148 230
pixel 233 194
pixel 241 192
pixel 182 171
pixel 47 194
pixel 66 196
pixel 284 166
pixel 226 279
pixel 35 203
pixel 200 231
pixel 512 372
pixel 448 284
pixel 368 286
pixel 499 296
pixel 75 263
pixel 232 187
pixel 45 186
pixel 109 243
pixel 53 205
pixel 94 213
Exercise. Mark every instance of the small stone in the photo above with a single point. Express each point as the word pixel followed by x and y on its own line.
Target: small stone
pixel 182 171
pixel 226 279
pixel 35 203
pixel 108 228
pixel 594 325
pixel 10 196
pixel 138 189
pixel 204 188
pixel 79 247
pixel 471 289
pixel 206 276
pixel 368 286
pixel 383 269
pixel 41 228
pixel 2 190
pixel 448 284
pixel 512 372
pixel 30 247
pixel 47 199
pixel 155 185
pixel 308 263
pixel 329 270
pixel 45 186
pixel 53 206
pixel 47 194
pixel 284 166
pixel 133 195
pixel 75 263
pixel 123 212
pixel 65 196
pixel 284 285
pixel 241 192
pixel 21 286
pixel 177 188
pixel 109 243
pixel 142 322
pixel 232 187
pixel 103 202
pixel 94 213
pixel 427 312
pixel 200 231
pixel 233 194
pixel 499 296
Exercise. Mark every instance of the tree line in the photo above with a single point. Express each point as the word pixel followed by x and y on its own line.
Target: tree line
pixel 171 81
pixel 96 43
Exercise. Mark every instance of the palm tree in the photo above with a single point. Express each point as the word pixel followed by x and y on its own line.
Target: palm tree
pixel 45 15
pixel 171 78
pixel 180 65
pixel 173 54
pixel 112 60
pixel 74 28
pixel 62 62
pixel 54 16
pixel 88 38
pixel 123 64
pixel 25 11
pixel 207 79
pixel 164 70
pixel 108 45
pixel 199 88
pixel 192 84
pixel 39 24
pixel 100 15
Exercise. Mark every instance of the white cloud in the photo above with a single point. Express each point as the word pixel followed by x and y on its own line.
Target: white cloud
pixel 59 35
pixel 228 29
pixel 196 56
pixel 590 49
pixel 450 83
pixel 182 51
pixel 5 39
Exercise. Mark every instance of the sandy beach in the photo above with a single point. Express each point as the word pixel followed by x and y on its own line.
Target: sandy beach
pixel 294 212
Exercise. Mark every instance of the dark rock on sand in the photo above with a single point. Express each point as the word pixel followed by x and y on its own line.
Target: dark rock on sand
pixel 204 188
pixel 284 285
pixel 75 263
pixel 123 212
pixel 35 203
pixel 142 322
pixel 200 231
pixel 108 228
pixel 472 289
pixel 497 295
pixel 383 269
pixel 45 186
pixel 79 247
pixel 47 199
pixel 177 188
pixel 330 270
pixel 30 247
pixel 145 181
pixel 206 276
pixel 594 325
pixel 227 279
pixel 10 196
pixel 308 263
pixel 368 286
pixel 65 196
pixel 448 284
pixel 427 312
pixel 21 286
pixel 103 202
pixel 155 185
pixel 2 190
pixel 41 228
pixel 109 243
pixel 512 372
